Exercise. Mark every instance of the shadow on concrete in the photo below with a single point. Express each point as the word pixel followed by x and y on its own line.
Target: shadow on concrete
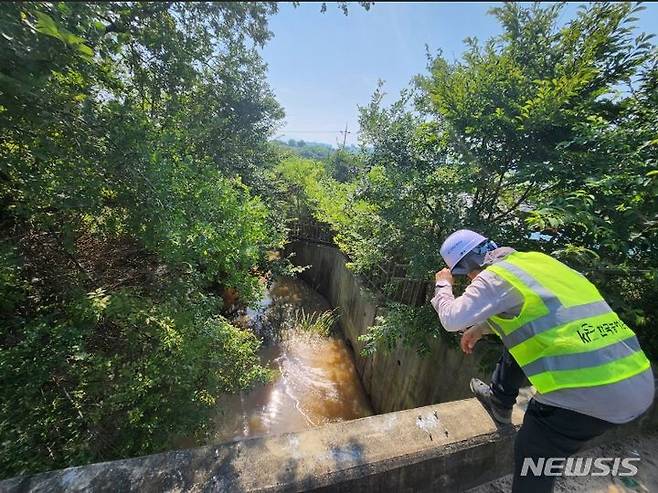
pixel 344 458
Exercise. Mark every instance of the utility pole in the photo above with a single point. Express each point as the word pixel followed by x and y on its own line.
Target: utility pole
pixel 345 132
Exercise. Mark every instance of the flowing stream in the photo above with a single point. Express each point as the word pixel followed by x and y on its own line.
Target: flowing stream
pixel 315 380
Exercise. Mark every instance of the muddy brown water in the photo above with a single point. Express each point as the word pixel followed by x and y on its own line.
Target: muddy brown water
pixel 315 380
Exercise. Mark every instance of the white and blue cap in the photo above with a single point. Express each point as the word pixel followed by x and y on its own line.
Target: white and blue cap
pixel 464 251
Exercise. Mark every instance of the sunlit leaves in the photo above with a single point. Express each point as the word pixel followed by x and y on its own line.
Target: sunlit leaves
pixel 46 25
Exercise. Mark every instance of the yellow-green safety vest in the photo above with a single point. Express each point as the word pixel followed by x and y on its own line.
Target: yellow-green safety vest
pixel 566 335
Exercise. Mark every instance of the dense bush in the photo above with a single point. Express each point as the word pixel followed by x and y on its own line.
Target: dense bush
pixel 113 375
pixel 132 139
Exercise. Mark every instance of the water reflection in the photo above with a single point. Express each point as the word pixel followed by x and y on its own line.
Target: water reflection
pixel 316 381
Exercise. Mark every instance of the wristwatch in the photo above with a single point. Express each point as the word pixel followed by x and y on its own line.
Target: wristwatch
pixel 442 284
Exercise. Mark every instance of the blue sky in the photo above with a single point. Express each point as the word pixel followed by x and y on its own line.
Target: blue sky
pixel 321 66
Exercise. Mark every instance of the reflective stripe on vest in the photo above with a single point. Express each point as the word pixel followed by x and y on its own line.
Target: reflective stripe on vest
pixel 566 335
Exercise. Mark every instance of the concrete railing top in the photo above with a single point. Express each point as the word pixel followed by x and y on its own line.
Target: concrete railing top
pixel 444 445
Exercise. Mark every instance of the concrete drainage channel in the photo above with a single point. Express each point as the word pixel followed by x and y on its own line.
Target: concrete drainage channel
pixel 401 379
pixel 450 446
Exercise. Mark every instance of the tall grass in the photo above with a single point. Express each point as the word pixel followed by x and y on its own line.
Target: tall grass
pixel 317 322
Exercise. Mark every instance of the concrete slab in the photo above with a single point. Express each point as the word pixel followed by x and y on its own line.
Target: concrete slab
pixel 452 443
pixel 443 447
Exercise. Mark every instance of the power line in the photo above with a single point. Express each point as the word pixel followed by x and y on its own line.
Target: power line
pixel 317 131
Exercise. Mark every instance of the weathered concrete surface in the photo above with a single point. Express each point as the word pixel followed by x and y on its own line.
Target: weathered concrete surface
pixel 443 447
pixel 453 445
pixel 401 379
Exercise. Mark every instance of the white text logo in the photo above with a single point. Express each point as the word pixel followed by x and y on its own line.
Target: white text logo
pixel 579 466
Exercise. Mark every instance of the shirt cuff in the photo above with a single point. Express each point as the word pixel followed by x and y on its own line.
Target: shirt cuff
pixel 442 288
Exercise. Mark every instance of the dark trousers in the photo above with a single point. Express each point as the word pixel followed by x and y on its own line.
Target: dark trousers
pixel 547 431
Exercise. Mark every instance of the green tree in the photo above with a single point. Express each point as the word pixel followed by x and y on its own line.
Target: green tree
pixel 542 138
pixel 129 136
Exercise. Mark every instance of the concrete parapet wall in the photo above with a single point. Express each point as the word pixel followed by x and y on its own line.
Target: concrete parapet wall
pixel 443 447
pixel 401 379
pixel 454 445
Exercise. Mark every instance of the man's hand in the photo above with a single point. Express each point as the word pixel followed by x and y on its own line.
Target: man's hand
pixel 443 275
pixel 469 338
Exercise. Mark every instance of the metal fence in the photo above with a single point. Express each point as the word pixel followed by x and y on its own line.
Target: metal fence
pixel 313 231
pixel 389 281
